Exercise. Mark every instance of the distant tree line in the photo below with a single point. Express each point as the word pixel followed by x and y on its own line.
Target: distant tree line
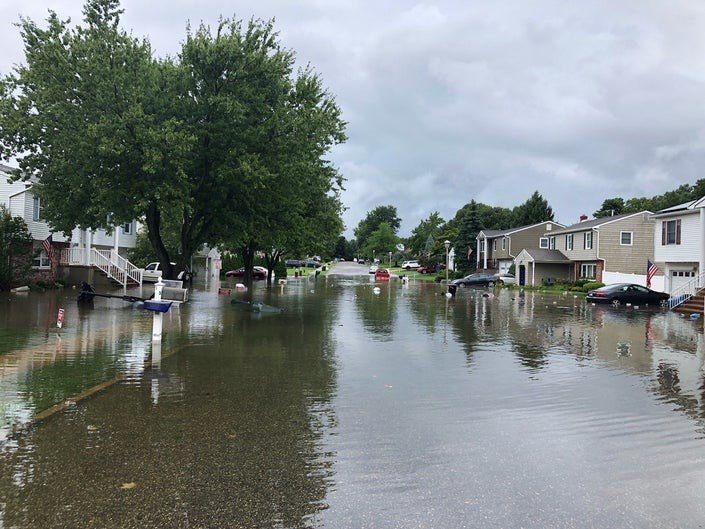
pixel 680 195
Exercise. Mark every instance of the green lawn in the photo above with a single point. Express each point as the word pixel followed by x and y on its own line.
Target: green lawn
pixel 413 274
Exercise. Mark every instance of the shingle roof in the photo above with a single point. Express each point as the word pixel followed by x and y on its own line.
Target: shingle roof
pixel 592 223
pixel 499 233
pixel 541 255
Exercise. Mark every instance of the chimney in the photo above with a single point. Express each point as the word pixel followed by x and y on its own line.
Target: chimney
pixel 583 217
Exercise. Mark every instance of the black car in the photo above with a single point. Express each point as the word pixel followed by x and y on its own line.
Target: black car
pixel 622 293
pixel 476 280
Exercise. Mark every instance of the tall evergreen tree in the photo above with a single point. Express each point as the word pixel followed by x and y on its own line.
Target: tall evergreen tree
pixel 533 211
pixel 470 226
pixel 610 206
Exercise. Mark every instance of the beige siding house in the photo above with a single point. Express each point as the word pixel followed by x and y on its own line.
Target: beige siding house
pixel 609 249
pixel 497 249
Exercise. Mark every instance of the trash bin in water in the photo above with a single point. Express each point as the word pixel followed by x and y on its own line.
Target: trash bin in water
pixel 452 289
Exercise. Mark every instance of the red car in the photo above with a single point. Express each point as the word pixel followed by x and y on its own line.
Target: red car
pixel 382 274
pixel 430 269
pixel 258 272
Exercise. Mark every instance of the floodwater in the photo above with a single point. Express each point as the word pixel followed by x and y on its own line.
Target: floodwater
pixel 352 409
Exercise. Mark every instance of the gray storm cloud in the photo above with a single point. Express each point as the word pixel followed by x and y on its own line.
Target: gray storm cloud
pixel 449 101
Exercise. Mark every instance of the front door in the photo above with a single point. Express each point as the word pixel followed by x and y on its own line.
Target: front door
pixel 522 275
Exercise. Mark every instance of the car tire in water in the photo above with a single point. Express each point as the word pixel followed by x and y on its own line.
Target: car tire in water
pixel 616 302
pixel 490 284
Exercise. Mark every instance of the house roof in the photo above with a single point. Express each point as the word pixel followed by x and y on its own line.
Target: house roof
pixel 541 255
pixel 685 207
pixel 491 234
pixel 594 223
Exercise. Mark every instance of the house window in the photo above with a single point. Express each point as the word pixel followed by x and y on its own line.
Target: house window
pixel 587 240
pixel 504 243
pixel 625 238
pixel 543 242
pixel 37 209
pixel 569 241
pixel 127 228
pixel 671 232
pixel 494 245
pixel 588 271
pixel 552 243
pixel 41 260
pixel 482 245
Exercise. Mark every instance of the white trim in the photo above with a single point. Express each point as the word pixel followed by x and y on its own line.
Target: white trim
pixel 624 218
pixel 541 246
pixel 631 238
pixel 512 231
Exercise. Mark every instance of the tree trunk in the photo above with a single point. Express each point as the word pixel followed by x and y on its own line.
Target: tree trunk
pixel 272 259
pixel 154 221
pixel 248 258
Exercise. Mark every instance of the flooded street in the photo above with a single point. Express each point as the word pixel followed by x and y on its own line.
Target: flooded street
pixel 352 409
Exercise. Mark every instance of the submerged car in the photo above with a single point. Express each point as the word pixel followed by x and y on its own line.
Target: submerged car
pixel 622 293
pixel 476 280
pixel 505 278
pixel 382 274
pixel 373 268
pixel 258 272
pixel 411 265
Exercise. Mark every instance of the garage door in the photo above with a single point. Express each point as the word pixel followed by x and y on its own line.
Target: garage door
pixel 504 266
pixel 680 278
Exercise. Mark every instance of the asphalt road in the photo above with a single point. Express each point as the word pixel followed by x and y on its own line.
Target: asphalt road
pixel 349 269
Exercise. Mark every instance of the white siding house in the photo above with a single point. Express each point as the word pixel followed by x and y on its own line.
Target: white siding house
pixel 679 243
pixel 18 198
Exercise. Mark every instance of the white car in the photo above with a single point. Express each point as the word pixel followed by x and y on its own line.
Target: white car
pixel 505 278
pixel 411 265
pixel 373 268
pixel 152 272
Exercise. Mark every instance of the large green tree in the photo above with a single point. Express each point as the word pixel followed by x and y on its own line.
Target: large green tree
pixel 217 136
pixel 373 220
pixel 470 225
pixel 533 211
pixel 427 228
pixel 381 241
pixel 609 207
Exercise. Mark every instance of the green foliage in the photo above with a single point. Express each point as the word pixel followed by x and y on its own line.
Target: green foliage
pixel 372 222
pixel 221 143
pixel 423 236
pixel 15 250
pixel 610 206
pixel 533 211
pixel 280 269
pixel 592 285
pixel 381 241
pixel 470 226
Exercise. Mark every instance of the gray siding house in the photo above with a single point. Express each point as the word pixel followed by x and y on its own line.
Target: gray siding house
pixel 609 250
pixel 497 249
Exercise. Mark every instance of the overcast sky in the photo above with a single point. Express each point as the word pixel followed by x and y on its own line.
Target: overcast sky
pixel 449 101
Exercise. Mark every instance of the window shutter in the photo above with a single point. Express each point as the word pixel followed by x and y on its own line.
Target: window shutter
pixel 585 241
pixel 663 233
pixel 678 231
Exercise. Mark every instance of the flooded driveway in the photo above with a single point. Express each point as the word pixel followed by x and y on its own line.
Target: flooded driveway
pixel 352 409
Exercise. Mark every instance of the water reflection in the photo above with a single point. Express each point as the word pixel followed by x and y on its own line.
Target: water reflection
pixel 354 409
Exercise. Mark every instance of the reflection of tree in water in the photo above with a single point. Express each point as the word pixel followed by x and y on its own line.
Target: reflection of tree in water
pixel 465 314
pixel 239 446
pixel 378 312
pixel 531 356
pixel 427 309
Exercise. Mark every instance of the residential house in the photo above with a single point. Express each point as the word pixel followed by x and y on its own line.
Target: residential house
pixel 18 198
pixel 497 249
pixel 608 250
pixel 679 244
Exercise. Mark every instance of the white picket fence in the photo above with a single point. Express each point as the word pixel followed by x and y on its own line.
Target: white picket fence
pixel 111 263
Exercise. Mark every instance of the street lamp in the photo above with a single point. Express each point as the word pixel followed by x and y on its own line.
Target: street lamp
pixel 447 245
pixel 390 259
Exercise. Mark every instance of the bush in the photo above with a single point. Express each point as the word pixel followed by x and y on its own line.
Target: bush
pixel 280 270
pixel 592 285
pixel 580 282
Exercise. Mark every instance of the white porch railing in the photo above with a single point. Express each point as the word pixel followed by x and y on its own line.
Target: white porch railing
pixel 687 291
pixel 111 263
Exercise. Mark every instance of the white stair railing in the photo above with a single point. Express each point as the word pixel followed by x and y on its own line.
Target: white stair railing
pixel 111 263
pixel 687 291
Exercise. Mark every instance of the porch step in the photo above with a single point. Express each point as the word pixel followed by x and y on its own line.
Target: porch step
pixel 693 305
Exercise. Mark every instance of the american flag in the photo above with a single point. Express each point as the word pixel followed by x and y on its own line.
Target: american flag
pixel 47 245
pixel 651 270
pixel 469 252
